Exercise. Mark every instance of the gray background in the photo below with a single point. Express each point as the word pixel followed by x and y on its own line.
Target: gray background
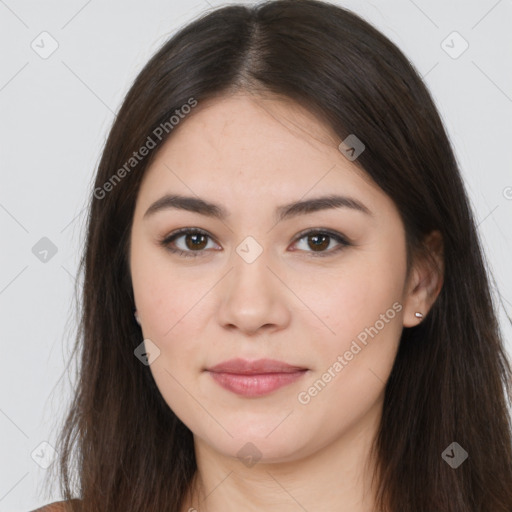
pixel 55 113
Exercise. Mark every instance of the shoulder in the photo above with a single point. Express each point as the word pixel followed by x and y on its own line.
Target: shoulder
pixel 57 506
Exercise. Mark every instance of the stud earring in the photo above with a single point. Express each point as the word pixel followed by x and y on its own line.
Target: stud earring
pixel 136 317
pixel 418 314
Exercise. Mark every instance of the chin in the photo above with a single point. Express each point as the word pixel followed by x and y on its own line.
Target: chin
pixel 259 441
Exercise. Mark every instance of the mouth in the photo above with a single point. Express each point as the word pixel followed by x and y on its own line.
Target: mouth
pixel 255 378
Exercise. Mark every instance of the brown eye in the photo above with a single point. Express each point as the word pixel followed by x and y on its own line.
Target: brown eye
pixel 188 242
pixel 196 241
pixel 317 242
pixel 193 242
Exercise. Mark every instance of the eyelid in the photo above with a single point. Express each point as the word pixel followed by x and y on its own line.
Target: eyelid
pixel 322 231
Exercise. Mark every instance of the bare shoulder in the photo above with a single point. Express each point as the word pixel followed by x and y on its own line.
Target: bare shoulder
pixel 57 506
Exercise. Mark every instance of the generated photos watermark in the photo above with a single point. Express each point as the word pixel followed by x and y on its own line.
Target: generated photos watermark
pixel 137 156
pixel 304 397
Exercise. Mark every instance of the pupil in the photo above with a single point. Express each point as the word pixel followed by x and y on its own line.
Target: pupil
pixel 196 243
pixel 321 245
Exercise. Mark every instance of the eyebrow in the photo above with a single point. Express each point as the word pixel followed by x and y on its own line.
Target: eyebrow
pixel 209 209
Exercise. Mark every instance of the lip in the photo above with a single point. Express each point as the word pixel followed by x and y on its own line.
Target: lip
pixel 255 378
pixel 258 366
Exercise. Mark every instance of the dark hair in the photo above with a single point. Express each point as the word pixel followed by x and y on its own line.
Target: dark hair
pixel 451 380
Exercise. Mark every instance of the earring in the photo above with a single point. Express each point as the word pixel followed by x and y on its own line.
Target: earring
pixel 418 314
pixel 136 317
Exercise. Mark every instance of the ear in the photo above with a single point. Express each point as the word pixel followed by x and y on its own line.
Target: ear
pixel 425 279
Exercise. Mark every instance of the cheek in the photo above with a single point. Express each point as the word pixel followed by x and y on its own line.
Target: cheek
pixel 163 293
pixel 361 306
pixel 172 312
pixel 353 298
pixel 364 311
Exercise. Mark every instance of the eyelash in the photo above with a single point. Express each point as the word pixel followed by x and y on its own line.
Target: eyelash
pixel 168 239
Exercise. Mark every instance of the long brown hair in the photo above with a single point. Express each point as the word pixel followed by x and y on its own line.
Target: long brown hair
pixel 122 449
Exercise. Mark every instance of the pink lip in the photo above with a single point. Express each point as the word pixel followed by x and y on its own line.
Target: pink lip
pixel 254 378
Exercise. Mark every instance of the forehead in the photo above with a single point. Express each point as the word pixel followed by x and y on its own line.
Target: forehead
pixel 244 125
pixel 255 148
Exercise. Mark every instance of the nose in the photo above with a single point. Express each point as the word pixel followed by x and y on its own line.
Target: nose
pixel 253 298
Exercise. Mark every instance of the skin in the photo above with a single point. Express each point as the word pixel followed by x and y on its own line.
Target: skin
pixel 251 154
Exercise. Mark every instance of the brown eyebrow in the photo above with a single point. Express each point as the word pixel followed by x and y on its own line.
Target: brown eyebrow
pixel 203 207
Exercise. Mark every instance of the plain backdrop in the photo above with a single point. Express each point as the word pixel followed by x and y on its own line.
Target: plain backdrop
pixel 56 110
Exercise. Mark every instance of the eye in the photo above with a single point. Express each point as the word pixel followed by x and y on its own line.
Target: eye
pixel 320 240
pixel 193 244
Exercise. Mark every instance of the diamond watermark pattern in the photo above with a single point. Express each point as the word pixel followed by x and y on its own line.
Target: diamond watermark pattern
pixel 44 45
pixel 44 454
pixel 454 455
pixel 44 250
pixel 249 249
pixel 454 45
pixel 146 352
pixel 249 454
pixel 351 147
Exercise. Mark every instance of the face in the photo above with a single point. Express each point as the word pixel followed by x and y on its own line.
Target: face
pixel 319 287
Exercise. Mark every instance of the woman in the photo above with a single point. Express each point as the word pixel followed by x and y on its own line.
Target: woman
pixel 285 302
